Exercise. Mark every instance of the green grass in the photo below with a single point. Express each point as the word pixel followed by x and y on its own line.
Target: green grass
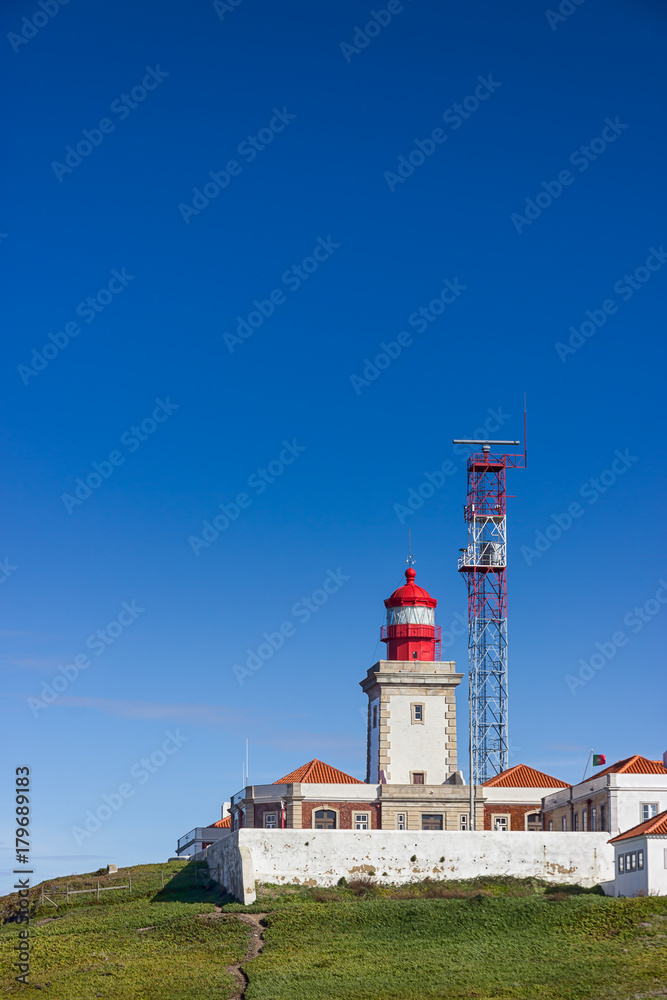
pixel 101 949
pixel 585 946
pixel 482 939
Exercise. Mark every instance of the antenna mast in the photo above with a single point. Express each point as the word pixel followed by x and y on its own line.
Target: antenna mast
pixel 411 559
pixel 484 565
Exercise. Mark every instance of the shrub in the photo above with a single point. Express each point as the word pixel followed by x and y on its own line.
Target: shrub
pixel 325 896
pixel 363 886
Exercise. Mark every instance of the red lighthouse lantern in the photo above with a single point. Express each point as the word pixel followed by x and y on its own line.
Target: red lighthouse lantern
pixel 411 632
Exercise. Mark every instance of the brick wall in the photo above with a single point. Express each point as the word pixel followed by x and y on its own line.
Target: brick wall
pixel 515 812
pixel 345 811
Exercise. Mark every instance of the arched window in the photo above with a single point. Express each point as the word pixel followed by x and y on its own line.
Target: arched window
pixel 325 819
pixel 534 822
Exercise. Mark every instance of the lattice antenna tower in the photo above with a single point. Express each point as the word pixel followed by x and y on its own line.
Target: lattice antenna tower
pixel 484 565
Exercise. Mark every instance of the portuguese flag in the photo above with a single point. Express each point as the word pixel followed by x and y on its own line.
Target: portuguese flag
pixel 598 759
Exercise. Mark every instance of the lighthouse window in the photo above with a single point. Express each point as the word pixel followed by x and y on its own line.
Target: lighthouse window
pixel 417 709
pixel 410 616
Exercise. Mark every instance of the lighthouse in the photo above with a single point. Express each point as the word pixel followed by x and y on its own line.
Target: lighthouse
pixel 411 728
pixel 411 632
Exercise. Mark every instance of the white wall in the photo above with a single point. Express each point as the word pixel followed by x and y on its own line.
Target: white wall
pixel 308 857
pixel 633 789
pixel 653 879
pixel 656 850
pixel 414 747
pixel 518 796
pixel 230 864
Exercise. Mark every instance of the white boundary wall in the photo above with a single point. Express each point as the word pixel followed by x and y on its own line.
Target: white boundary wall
pixel 309 857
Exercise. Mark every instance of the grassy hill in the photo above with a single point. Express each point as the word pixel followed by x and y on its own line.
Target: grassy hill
pixel 489 938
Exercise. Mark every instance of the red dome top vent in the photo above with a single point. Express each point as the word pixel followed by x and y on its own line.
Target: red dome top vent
pixel 410 593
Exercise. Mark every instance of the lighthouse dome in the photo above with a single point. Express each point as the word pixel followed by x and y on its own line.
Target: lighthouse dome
pixel 411 632
pixel 410 593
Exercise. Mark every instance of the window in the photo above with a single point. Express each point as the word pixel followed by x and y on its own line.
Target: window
pixel 463 821
pixel 431 822
pixel 375 716
pixel 575 821
pixel 621 864
pixel 417 712
pixel 584 819
pixel 534 822
pixel 594 818
pixel 400 821
pixel 603 817
pixel 417 777
pixel 640 860
pixel 411 616
pixel 501 823
pixel 551 824
pixel 325 819
pixel 649 810
pixel 361 821
pixel 630 862
pixel 270 821
pixel 563 823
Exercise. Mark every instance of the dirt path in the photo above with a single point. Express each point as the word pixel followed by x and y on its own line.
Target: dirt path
pixel 255 945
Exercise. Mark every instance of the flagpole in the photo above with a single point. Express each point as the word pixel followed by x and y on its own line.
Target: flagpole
pixel 587 763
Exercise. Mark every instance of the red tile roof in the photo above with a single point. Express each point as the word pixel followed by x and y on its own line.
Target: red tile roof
pixel 634 765
pixel 317 772
pixel 222 823
pixel 522 776
pixel 656 826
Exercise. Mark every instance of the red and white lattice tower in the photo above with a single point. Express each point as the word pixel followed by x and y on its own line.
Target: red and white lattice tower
pixel 484 565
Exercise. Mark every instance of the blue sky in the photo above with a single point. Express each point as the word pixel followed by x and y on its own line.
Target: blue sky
pixel 235 322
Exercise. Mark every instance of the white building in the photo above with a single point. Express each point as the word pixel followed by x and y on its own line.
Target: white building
pixel 640 860
pixel 615 799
